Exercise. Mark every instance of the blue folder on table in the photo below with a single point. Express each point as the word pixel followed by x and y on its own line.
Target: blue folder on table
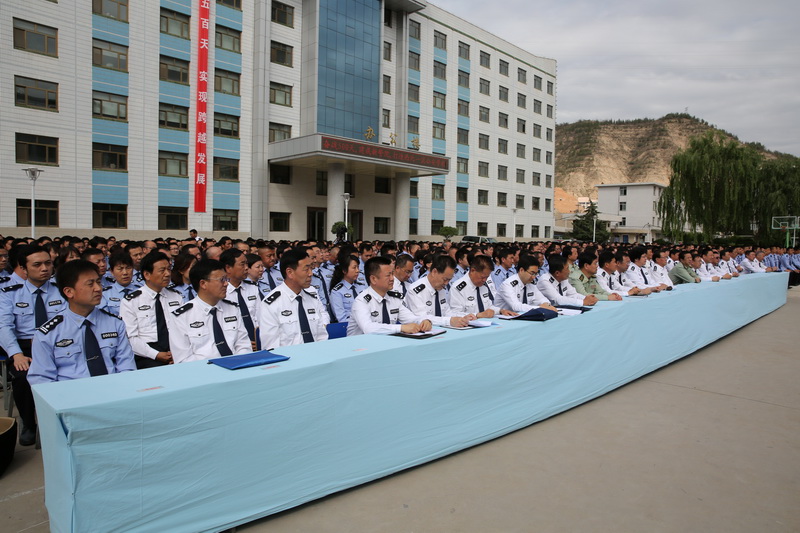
pixel 235 362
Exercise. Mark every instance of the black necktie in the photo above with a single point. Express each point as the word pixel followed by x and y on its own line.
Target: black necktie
pixel 305 327
pixel 246 318
pixel 126 291
pixel 645 277
pixel 405 290
pixel 491 296
pixel 385 313
pixel 611 282
pixel 524 294
pixel 190 292
pixel 560 289
pixel 353 288
pixel 91 348
pixel 40 311
pixel 481 309
pixel 161 327
pixel 438 307
pixel 324 288
pixel 219 337
pixel 271 281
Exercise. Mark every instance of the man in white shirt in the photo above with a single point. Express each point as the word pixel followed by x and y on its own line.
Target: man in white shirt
pixel 659 270
pixel 607 275
pixel 519 293
pixel 707 271
pixel 557 288
pixel 639 274
pixel 473 294
pixel 428 297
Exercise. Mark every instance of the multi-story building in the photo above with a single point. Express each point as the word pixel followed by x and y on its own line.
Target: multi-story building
pixel 272 119
pixel 636 204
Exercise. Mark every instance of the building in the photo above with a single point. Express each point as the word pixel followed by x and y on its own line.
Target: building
pixel 259 118
pixel 637 206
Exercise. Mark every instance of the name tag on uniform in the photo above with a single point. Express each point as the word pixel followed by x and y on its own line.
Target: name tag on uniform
pixel 252 297
pixel 109 335
pixel 55 302
pixel 64 343
pixel 174 303
pixel 144 307
pixel 230 319
pixel 311 311
pixel 442 301
pixel 197 324
pixel 393 311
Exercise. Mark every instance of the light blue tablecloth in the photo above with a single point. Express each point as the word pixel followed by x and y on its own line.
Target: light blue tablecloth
pixel 195 447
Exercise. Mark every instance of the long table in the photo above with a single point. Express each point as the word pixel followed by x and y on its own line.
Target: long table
pixel 194 447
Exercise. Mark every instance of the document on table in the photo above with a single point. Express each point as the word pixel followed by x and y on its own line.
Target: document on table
pixel 569 312
pixel 472 324
pixel 422 334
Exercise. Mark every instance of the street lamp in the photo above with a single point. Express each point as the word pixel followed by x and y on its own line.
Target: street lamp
pixel 33 173
pixel 346 198
pixel 514 224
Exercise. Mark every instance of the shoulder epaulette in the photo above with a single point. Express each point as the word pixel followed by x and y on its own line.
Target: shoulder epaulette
pixel 632 268
pixel 514 282
pixel 109 313
pixel 312 294
pixel 367 297
pixel 11 287
pixel 394 294
pixel 110 279
pixel 419 288
pixel 176 291
pixel 133 295
pixel 338 286
pixel 581 277
pixel 461 285
pixel 552 279
pixel 107 287
pixel 230 302
pixel 250 282
pixel 50 324
pixel 273 296
pixel 4 279
pixel 182 309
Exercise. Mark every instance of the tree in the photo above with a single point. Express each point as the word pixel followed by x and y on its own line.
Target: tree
pixel 584 227
pixel 447 232
pixel 340 229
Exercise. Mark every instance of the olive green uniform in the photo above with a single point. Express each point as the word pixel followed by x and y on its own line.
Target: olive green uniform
pixel 587 285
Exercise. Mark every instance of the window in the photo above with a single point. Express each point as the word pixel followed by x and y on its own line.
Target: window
pixel 537 107
pixel 439 70
pixel 438 130
pixel 522 100
pixel 549 111
pixel 387 18
pixel 280 174
pixel 387 84
pixel 483 197
pixel 226 125
pixel 107 105
pixel 438 100
pixel 281 53
pixel 501 230
pixel 173 218
pixel 115 9
pixel 414 29
pixel 463 136
pixel 461 226
pixel 483 114
pixel 437 191
pixel 535 203
pixel 110 55
pixel 537 154
pixel 521 125
pixel 35 37
pixel 109 216
pixel 413 61
pixel 350 185
pixel 504 67
pixel 463 79
pixel 486 60
pixel 381 225
pixel 462 195
pixel 483 141
pixel 503 93
pixel 520 204
pixel 534 232
pixel 483 169
pixel 483 229
pixel 174 70
pixel 463 50
pixel 502 146
pixel 228 39
pixel 537 82
pixel 522 75
pixel 520 175
pixel 46 213
pixel 173 164
pixel 547 232
pixel 383 185
pixel 226 169
pixel 109 157
pixel 414 189
pixel 623 191
pixel 623 206
pixel 439 40
pixel 519 230
pixel 548 158
pixel 502 172
pixel 462 165
pixel 413 92
pixel 413 124
pixel 623 222
pixel 36 149
pixel 550 87
pixel 502 120
pixel 537 179
pixel 225 220
pixel 412 226
pixel 279 132
pixel 227 82
pixel 280 94
pixel 321 185
pixel 283 14
pixel 387 51
pixel 174 23
pixel 548 204
pixel 387 119
pixel 484 86
pixel 463 108
pixel 549 134
pixel 537 131
pixel 35 93
pixel 436 225
pixel 236 4
pixel 548 181
pixel 173 116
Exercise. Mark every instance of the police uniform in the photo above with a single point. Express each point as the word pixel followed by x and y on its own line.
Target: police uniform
pixel 342 297
pixel 559 293
pixel 139 313
pixel 422 300
pixel 107 281
pixel 11 279
pixel 459 273
pixel 193 338
pixel 281 318
pixel 186 290
pixel 467 299
pixel 373 313
pixel 661 275
pixel 753 267
pixel 269 281
pixel 499 275
pixel 416 273
pixel 518 297
pixel 609 283
pixel 246 295
pixel 137 279
pixel 670 264
pixel 401 287
pixel 321 286
pixel 706 271
pixel 640 277
pixel 113 296
pixel 587 285
pixel 60 352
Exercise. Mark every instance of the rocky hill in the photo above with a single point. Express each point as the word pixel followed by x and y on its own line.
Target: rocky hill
pixel 590 152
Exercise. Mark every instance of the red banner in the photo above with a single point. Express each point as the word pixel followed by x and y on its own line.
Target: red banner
pixel 384 152
pixel 201 122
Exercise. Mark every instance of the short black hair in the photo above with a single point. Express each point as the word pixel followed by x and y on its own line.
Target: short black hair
pixel 606 256
pixel 556 263
pixel 527 261
pixel 586 259
pixel 373 266
pixel 89 252
pixel 229 256
pixel 202 269
pixel 479 263
pixel 120 258
pixel 443 262
pixel 28 250
pixel 636 253
pixel 291 258
pixel 683 253
pixel 68 274
pixel 149 261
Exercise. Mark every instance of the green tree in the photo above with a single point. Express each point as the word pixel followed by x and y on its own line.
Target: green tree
pixel 583 227
pixel 447 232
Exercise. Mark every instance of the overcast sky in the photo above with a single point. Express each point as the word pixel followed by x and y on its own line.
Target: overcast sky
pixel 733 63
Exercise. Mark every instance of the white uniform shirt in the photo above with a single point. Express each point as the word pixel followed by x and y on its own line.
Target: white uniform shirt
pixel 559 293
pixel 706 272
pixel 610 283
pixel 421 300
pixel 138 311
pixel 401 287
pixel 192 337
pixel 509 295
pixel 670 264
pixel 279 323
pixel 752 267
pixel 641 277
pixel 464 297
pixel 366 316
pixel 661 275
pixel 251 299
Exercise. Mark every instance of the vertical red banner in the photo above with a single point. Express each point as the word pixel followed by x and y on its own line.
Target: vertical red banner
pixel 201 122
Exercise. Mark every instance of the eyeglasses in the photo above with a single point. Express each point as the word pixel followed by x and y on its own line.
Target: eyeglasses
pixel 224 279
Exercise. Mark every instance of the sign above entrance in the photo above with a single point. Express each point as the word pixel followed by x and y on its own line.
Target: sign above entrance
pixel 385 153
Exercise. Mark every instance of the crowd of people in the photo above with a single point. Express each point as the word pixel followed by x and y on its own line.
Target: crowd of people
pixel 75 307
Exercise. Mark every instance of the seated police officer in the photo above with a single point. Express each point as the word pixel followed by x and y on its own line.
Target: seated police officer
pixel 607 275
pixel 345 287
pixel 519 293
pixel 428 297
pixel 244 294
pixel 121 268
pixel 473 295
pixel 638 272
pixel 379 309
pixel 209 326
pixel 147 312
pixel 403 268
pixel 585 279
pixel 557 289
pixel 292 314
pixel 83 340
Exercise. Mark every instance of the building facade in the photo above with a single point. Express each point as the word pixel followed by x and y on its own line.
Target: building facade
pixel 271 119
pixel 636 205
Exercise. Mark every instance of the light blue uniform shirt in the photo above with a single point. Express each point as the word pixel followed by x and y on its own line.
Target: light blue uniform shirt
pixel 317 281
pixel 17 312
pixel 500 274
pixel 342 297
pixel 186 290
pixel 58 353
pixel 112 297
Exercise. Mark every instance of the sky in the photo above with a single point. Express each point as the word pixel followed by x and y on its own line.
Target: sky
pixel 733 63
